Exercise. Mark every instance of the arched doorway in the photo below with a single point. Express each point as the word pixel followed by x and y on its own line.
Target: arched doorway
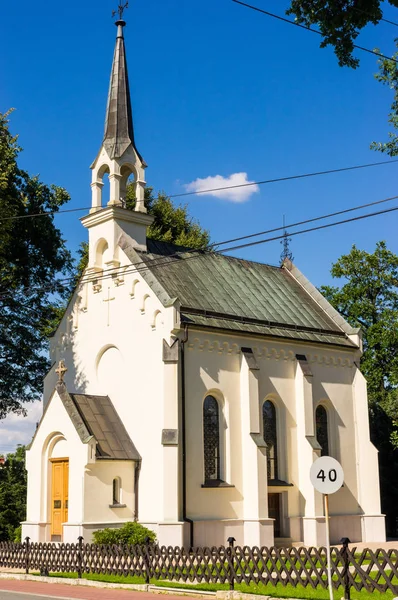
pixel 59 489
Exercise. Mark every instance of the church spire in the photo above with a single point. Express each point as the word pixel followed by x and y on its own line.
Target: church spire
pixel 119 130
pixel 118 156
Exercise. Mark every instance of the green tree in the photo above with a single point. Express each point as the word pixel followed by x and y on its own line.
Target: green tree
pixel 368 299
pixel 13 484
pixel 340 22
pixel 388 75
pixel 171 224
pixel 32 257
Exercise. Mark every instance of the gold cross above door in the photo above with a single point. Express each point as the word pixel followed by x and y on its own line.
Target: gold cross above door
pixel 109 299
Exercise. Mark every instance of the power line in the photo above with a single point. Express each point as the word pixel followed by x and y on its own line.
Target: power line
pixel 164 261
pixel 317 228
pixel 285 20
pixel 366 12
pixel 334 214
pixel 110 272
pixel 288 178
pixel 219 189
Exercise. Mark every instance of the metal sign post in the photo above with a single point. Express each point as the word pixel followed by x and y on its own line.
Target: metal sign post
pixel 326 501
pixel 327 477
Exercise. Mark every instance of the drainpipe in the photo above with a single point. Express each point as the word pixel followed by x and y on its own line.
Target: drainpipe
pixel 136 490
pixel 184 444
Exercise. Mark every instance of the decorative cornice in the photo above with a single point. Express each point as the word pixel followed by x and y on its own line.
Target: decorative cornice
pixel 116 212
pixel 267 352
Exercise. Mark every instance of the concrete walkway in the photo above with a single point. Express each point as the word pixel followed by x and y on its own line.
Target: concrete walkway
pixel 390 545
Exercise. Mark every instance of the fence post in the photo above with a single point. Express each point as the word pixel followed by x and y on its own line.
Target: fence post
pixel 146 560
pixel 27 540
pixel 80 557
pixel 346 567
pixel 231 541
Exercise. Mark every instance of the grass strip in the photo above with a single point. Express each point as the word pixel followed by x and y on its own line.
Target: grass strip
pixel 278 591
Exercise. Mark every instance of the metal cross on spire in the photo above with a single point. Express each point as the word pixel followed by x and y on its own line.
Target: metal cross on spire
pixel 120 10
pixel 286 252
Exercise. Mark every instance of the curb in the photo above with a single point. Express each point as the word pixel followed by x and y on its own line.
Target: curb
pixel 219 595
pixel 85 582
pixel 138 587
pixel 235 595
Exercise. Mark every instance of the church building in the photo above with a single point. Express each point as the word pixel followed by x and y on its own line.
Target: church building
pixel 192 391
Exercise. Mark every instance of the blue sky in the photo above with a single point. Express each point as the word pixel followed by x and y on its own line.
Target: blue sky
pixel 217 89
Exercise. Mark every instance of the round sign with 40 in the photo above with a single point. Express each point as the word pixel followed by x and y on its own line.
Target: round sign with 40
pixel 327 475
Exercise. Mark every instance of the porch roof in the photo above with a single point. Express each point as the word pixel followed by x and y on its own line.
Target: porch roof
pixel 103 422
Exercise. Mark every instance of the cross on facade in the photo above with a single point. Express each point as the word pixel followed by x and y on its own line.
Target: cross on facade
pixel 120 10
pixel 109 299
pixel 61 370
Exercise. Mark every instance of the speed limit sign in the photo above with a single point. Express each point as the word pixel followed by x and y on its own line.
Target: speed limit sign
pixel 327 475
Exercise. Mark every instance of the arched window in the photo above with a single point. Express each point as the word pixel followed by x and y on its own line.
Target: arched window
pixel 270 438
pixel 116 487
pixel 321 419
pixel 211 439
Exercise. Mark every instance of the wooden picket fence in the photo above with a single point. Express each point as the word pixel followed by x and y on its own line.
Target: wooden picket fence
pixel 369 570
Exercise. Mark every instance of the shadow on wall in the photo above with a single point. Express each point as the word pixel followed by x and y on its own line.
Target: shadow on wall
pixel 64 347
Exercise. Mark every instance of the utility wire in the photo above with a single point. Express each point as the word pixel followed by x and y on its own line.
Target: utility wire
pixel 219 189
pixel 165 261
pixel 317 228
pixel 285 20
pixel 366 12
pixel 159 261
pixel 339 212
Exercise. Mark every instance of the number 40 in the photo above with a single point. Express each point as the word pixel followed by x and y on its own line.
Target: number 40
pixel 332 475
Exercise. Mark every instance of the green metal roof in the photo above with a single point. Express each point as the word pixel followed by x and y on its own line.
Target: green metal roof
pixel 225 292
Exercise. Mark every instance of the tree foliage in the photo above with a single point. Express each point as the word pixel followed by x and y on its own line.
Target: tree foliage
pixel 32 257
pixel 368 299
pixel 171 224
pixel 340 22
pixel 13 484
pixel 388 75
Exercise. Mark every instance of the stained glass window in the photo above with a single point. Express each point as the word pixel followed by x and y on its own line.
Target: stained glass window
pixel 321 418
pixel 270 438
pixel 211 438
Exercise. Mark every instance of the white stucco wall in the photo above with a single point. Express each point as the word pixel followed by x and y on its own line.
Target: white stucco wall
pixel 213 366
pixel 98 492
pixel 111 338
pixel 56 437
pixel 115 348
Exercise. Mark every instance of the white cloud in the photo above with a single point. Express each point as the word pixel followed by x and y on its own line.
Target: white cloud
pixel 237 194
pixel 16 429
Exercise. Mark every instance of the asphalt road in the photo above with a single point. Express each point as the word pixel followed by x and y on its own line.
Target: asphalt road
pixel 22 596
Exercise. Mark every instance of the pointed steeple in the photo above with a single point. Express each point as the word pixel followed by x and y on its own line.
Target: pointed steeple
pixel 119 130
pixel 118 156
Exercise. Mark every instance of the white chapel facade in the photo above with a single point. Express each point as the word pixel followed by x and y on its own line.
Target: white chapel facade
pixel 192 391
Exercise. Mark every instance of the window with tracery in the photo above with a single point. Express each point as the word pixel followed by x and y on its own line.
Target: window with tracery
pixel 322 435
pixel 211 439
pixel 270 438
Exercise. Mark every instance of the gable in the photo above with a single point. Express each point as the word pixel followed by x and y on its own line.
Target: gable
pixel 95 417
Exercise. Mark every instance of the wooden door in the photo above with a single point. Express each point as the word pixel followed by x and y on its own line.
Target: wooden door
pixel 59 495
pixel 274 512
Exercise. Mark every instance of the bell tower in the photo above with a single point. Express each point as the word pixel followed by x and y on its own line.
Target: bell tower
pixel 118 158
